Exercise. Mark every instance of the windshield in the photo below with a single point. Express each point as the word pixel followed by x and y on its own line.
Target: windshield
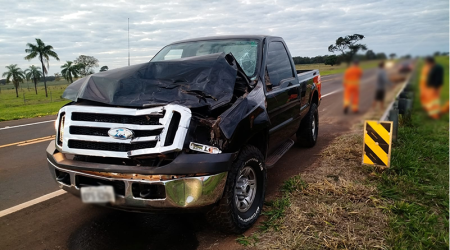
pixel 244 50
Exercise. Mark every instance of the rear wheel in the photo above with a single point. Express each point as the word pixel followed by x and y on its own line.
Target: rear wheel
pixel 309 128
pixel 244 193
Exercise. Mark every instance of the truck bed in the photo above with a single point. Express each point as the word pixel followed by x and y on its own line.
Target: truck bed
pixel 304 75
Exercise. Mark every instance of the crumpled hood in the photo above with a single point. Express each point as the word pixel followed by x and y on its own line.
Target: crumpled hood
pixel 193 82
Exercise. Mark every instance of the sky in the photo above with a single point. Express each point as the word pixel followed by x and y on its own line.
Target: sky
pixel 99 28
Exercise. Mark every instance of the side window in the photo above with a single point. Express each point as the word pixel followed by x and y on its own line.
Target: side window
pixel 278 63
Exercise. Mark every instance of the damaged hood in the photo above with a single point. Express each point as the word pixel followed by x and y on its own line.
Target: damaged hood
pixel 192 82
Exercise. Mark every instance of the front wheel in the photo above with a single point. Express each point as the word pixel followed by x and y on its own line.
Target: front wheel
pixel 309 128
pixel 244 193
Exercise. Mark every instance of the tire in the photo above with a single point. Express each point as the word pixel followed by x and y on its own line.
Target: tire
pixel 308 131
pixel 229 215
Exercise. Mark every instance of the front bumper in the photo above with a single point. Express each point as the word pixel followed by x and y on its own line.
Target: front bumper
pixel 180 193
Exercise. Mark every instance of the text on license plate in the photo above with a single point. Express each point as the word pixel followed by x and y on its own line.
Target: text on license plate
pixel 99 194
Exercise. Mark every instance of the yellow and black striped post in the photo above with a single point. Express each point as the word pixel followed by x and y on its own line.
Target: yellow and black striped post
pixel 377 143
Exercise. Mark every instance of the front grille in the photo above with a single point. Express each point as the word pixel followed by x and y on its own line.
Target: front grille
pixel 78 130
pixel 107 146
pixel 152 119
pixel 156 130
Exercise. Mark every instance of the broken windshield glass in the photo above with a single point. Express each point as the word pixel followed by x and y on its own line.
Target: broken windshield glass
pixel 245 51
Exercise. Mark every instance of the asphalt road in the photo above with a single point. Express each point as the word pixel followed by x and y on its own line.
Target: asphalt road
pixel 63 222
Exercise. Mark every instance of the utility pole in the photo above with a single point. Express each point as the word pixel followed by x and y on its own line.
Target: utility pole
pixel 128 41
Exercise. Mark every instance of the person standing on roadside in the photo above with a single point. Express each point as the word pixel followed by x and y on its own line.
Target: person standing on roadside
pixel 352 77
pixel 382 83
pixel 431 81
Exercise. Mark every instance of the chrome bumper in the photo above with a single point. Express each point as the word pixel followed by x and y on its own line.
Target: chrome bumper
pixel 186 192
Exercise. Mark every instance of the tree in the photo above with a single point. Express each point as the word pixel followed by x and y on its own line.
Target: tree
pixel 348 46
pixel 43 52
pixel 70 71
pixel 408 56
pixel 392 55
pixel 104 68
pixel 57 76
pixel 34 73
pixel 332 60
pixel 86 64
pixel 437 53
pixel 370 55
pixel 14 74
pixel 381 56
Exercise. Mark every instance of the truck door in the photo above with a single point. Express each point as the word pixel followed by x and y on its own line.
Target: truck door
pixel 283 94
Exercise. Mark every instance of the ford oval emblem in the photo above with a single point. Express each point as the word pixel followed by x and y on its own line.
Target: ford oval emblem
pixel 121 133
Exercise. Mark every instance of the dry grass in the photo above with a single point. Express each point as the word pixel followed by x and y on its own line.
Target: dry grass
pixel 335 205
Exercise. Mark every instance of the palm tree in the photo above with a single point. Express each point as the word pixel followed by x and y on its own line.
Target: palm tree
pixel 43 52
pixel 70 70
pixel 15 74
pixel 34 74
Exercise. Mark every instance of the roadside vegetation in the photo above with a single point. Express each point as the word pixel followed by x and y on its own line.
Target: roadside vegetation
pixel 16 99
pixel 35 105
pixel 417 183
pixel 338 203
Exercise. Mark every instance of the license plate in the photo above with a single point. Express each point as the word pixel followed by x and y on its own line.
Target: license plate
pixel 99 194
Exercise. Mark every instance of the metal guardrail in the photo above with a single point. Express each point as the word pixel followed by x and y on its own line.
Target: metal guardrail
pixel 402 104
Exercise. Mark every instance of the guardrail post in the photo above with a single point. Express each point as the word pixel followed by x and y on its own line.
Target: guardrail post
pixel 393 116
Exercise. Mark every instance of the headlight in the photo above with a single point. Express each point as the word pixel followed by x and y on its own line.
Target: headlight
pixel 60 131
pixel 61 128
pixel 204 148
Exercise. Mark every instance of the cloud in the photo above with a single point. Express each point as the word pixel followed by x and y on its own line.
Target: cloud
pixel 99 28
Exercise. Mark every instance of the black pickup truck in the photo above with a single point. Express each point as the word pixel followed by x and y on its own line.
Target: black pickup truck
pixel 194 129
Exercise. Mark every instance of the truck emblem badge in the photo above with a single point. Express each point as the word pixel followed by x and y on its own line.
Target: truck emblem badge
pixel 121 133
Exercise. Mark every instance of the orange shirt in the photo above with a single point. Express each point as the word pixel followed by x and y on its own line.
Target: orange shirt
pixel 352 75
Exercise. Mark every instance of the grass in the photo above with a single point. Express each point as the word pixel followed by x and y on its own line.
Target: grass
pixel 13 108
pixel 333 205
pixel 336 69
pixel 417 182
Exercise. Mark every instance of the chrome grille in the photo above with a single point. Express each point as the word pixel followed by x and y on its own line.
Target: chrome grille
pixel 79 130
pixel 86 130
pixel 151 119
pixel 109 146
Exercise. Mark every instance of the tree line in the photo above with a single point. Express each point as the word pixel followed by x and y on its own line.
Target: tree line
pixel 338 59
pixel 81 66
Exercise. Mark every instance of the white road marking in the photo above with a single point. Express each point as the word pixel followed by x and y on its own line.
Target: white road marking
pixel 31 203
pixel 333 92
pixel 8 127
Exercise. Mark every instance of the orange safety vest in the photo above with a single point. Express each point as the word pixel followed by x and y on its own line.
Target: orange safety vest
pixel 429 98
pixel 352 76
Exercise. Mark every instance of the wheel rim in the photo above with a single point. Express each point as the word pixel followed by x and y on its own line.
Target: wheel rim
pixel 313 127
pixel 245 190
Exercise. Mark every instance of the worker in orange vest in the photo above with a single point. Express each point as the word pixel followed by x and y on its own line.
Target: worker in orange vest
pixel 431 81
pixel 352 78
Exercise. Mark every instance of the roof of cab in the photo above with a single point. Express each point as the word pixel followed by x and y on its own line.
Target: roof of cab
pixel 258 37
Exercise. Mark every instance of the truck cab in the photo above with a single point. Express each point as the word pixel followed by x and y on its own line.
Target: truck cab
pixel 194 129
